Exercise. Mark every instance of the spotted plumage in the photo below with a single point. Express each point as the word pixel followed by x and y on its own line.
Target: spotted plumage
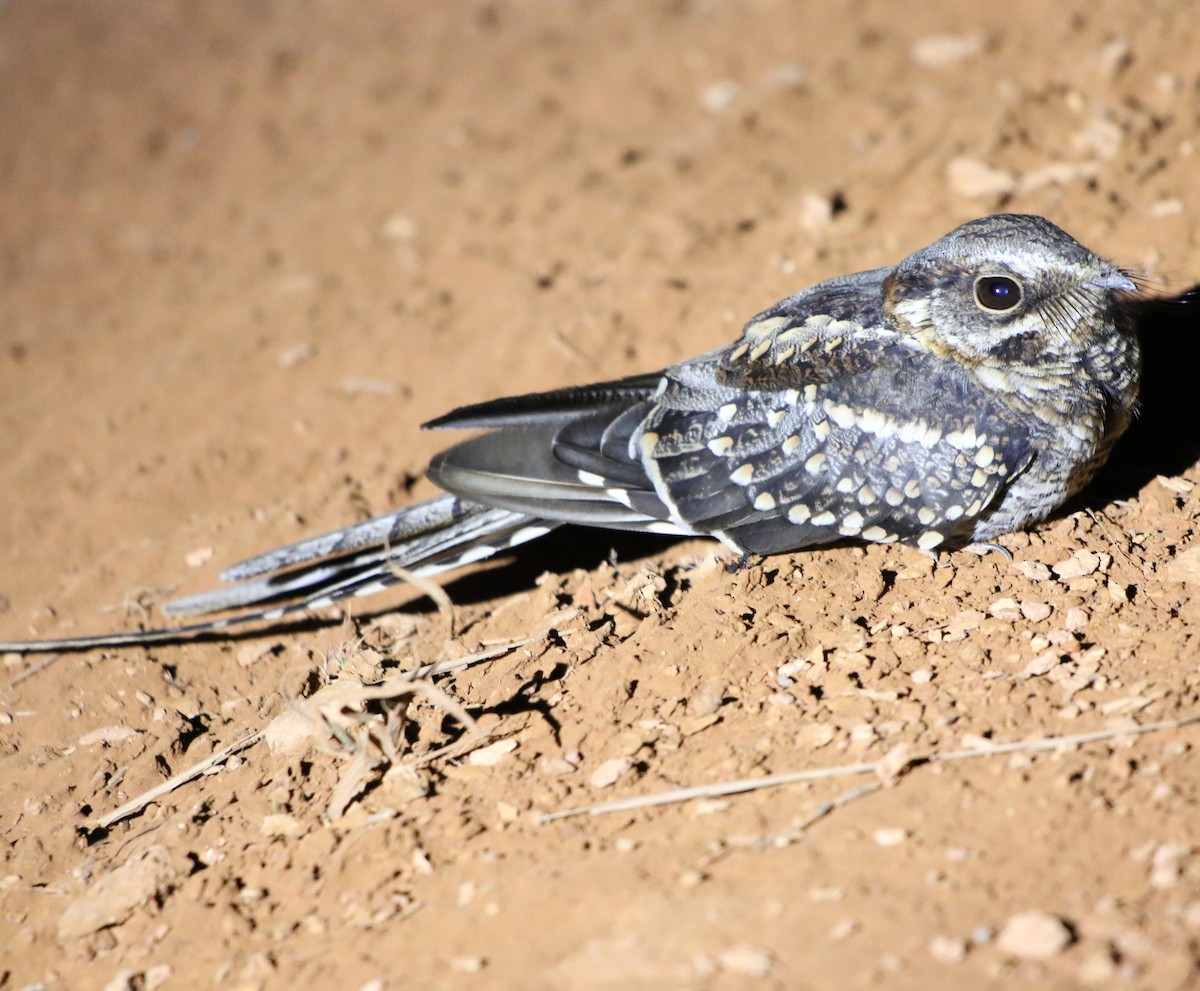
pixel 962 394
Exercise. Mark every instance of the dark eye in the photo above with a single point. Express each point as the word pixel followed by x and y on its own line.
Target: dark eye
pixel 997 292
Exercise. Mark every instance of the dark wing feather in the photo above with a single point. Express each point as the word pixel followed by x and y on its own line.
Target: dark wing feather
pixel 569 455
pixel 542 407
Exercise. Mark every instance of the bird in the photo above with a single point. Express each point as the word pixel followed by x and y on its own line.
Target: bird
pixel 962 394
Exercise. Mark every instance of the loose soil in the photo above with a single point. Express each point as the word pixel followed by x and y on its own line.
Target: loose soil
pixel 247 248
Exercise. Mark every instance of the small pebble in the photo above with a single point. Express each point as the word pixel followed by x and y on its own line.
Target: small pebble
pixel 891 837
pixel 400 227
pixel 937 51
pixel 610 772
pixel 845 929
pixel 1035 612
pixel 947 949
pixel 492 754
pixel 294 354
pixel 1076 619
pixel 974 178
pixel 1045 662
pixel 745 958
pixel 199 557
pixel 1077 565
pixel 1185 566
pixel 815 213
pixel 552 766
pixel 281 824
pixel 720 96
pixel 1034 935
pixel 1005 609
pixel 1033 570
pixel 1097 968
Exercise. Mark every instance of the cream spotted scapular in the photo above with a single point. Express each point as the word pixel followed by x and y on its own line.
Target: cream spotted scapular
pixel 964 393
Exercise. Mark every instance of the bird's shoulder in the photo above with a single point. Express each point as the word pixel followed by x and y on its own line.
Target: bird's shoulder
pixel 832 330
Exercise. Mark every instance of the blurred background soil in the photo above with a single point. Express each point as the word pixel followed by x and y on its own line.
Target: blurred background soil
pixel 246 248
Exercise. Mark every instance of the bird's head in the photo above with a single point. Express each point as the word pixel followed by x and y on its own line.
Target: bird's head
pixel 1005 286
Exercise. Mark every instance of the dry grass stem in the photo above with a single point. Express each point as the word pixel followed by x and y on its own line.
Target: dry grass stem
pixel 743 785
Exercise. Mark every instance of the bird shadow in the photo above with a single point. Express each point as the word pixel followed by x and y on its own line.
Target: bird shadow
pixel 1164 438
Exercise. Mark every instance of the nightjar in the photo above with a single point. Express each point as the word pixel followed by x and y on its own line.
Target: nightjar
pixel 966 392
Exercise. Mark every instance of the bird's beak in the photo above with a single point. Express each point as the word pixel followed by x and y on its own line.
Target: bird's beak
pixel 1113 278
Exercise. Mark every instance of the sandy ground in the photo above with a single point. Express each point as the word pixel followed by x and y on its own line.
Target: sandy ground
pixel 246 248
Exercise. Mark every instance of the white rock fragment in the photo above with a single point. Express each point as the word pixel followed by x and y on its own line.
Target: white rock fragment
pixel 973 178
pixel 199 557
pixel 1005 609
pixel 1076 619
pixel 1035 612
pixel 1099 137
pixel 937 51
pixel 294 354
pixel 746 958
pixel 1184 567
pixel 1097 968
pixel 814 736
pixel 720 96
pixel 1169 207
pixel 400 227
pixel 553 766
pixel 1165 866
pixel 1058 174
pixel 1180 486
pixel 468 965
pixel 157 976
pixel 947 949
pixel 1034 935
pixel 815 213
pixel 890 837
pixel 894 763
pixel 1044 663
pixel 110 736
pixel 492 754
pixel 1078 565
pixel 610 772
pixel 1035 571
pixel 281 824
pixel 844 929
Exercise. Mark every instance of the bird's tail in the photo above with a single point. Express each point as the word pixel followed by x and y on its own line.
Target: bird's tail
pixel 425 539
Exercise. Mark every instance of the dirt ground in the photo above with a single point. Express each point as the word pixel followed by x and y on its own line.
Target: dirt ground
pixel 248 247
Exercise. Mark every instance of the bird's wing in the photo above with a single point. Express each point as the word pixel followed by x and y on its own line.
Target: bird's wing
pixel 570 455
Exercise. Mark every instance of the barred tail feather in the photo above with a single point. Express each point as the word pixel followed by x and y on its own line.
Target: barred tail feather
pixel 426 539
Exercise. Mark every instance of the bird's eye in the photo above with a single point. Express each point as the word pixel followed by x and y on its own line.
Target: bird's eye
pixel 997 292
